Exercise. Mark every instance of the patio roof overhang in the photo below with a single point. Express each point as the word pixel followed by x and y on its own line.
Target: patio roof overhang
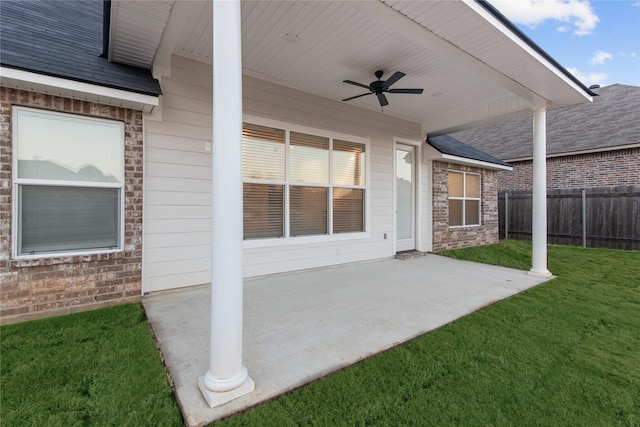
pixel 472 65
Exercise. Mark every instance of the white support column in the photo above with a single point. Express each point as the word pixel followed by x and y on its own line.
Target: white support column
pixel 226 378
pixel 539 219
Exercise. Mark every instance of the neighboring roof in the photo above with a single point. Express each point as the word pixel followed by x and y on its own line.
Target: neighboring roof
pixel 64 39
pixel 448 145
pixel 610 122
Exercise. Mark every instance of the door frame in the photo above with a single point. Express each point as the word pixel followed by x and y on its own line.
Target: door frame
pixel 417 175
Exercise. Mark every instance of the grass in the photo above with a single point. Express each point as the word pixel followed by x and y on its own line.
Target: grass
pixel 564 353
pixel 95 368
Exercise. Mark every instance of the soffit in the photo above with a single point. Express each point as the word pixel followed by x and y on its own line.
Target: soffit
pixel 136 30
pixel 470 70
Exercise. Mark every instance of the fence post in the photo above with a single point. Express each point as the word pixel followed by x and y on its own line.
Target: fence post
pixel 506 216
pixel 584 218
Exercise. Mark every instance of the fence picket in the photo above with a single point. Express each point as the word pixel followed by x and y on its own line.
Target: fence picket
pixel 606 217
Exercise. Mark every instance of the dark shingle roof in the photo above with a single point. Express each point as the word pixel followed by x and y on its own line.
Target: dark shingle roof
pixel 612 120
pixel 64 39
pixel 447 145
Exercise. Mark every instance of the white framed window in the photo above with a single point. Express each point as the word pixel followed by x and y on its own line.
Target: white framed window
pixel 68 179
pixel 300 182
pixel 464 199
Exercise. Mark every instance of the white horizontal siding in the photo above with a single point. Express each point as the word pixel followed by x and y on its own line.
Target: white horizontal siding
pixel 175 240
pixel 177 225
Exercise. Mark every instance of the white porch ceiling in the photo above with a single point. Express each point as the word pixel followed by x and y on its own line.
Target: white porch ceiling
pixel 471 67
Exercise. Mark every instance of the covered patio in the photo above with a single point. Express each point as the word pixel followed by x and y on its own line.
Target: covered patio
pixel 301 63
pixel 301 326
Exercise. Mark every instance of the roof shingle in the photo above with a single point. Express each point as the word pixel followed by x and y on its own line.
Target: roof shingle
pixel 612 120
pixel 64 39
pixel 448 145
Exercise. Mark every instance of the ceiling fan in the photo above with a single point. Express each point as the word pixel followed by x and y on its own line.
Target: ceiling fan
pixel 379 87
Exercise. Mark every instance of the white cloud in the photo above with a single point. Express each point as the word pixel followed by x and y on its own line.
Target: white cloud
pixel 600 57
pixel 589 78
pixel 636 4
pixel 534 12
pixel 632 55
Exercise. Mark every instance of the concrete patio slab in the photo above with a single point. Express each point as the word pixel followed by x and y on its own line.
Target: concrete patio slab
pixel 302 326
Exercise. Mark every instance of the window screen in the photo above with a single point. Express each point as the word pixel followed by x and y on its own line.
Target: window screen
pixel 69 179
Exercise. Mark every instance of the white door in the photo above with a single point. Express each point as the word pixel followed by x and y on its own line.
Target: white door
pixel 405 198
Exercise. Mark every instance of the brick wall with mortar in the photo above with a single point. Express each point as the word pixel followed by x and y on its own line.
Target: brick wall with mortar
pixel 44 287
pixel 604 169
pixel 445 237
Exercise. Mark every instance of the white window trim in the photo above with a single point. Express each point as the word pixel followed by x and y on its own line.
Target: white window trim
pixel 464 191
pixel 326 238
pixel 15 225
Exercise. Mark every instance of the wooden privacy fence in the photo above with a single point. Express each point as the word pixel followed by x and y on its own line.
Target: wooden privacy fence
pixel 605 217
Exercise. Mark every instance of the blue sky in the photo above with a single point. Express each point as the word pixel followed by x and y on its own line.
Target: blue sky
pixel 598 41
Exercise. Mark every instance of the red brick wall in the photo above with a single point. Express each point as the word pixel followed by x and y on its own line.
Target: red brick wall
pixel 48 286
pixel 609 168
pixel 461 237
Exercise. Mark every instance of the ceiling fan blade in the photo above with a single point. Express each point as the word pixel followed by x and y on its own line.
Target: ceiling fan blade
pixel 351 82
pixel 391 80
pixel 357 96
pixel 382 99
pixel 416 91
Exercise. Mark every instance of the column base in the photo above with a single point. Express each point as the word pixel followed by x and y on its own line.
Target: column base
pixel 215 398
pixel 538 273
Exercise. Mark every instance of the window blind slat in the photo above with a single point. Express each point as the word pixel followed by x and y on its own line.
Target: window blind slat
pixel 472 212
pixel 348 210
pixel 472 186
pixel 308 210
pixel 263 211
pixel 455 213
pixel 309 158
pixel 455 184
pixel 263 150
pixel 348 163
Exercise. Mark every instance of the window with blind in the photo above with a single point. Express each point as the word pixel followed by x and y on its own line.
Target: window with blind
pixel 464 199
pixel 69 174
pixel 301 184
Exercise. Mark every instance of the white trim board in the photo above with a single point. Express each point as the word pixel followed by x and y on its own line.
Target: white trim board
pixel 432 154
pixel 34 82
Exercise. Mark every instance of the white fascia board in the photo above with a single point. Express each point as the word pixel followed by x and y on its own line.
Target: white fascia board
pixel 472 162
pixel 69 88
pixel 432 154
pixel 473 4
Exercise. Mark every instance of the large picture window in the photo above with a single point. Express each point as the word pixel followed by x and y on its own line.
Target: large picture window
pixel 69 173
pixel 301 183
pixel 464 199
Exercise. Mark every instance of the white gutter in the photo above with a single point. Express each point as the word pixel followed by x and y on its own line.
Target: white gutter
pixel 431 153
pixel 34 82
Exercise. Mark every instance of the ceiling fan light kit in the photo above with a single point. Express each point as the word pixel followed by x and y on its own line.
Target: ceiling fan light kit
pixel 380 87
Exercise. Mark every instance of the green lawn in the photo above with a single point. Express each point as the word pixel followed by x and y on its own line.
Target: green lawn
pixel 565 353
pixel 96 368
